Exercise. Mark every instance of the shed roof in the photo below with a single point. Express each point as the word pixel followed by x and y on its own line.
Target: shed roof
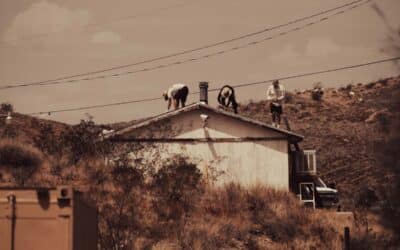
pixel 199 106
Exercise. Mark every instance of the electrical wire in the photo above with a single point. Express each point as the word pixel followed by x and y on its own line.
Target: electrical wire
pixel 61 80
pixel 240 85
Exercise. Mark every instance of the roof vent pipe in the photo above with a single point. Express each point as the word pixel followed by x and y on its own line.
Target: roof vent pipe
pixel 203 92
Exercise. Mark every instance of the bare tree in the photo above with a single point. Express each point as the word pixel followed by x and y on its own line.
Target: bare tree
pixel 392 46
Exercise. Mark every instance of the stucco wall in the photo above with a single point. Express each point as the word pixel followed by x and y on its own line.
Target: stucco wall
pixel 246 162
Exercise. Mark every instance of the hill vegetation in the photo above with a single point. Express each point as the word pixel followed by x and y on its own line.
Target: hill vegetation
pixel 166 205
pixel 349 127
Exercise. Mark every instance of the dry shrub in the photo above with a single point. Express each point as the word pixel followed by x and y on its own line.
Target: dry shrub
pixel 226 201
pixel 365 197
pixel 304 114
pixel 82 142
pixel 261 212
pixel 211 232
pixel 9 131
pixel 384 81
pixel 370 85
pixel 317 95
pixel 176 186
pixel 387 152
pixel 20 160
pixel 47 140
pixel 6 107
pixel 133 207
pixel 278 213
pixel 370 240
pixel 289 97
pixel 317 92
pixel 384 121
pixel 117 191
pixel 364 237
pixel 349 87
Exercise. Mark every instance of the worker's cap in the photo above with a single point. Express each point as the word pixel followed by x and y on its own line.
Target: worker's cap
pixel 275 82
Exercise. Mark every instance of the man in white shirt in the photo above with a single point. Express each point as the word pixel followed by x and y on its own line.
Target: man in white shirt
pixel 176 94
pixel 276 96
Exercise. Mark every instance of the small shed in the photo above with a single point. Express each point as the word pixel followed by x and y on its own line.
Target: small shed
pixel 234 147
pixel 46 218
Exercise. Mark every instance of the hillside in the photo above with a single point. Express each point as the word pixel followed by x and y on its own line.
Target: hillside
pixel 174 209
pixel 345 128
pixel 27 128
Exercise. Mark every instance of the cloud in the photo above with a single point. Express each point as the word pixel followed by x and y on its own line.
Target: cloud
pixel 315 49
pixel 288 55
pixel 106 37
pixel 321 47
pixel 44 18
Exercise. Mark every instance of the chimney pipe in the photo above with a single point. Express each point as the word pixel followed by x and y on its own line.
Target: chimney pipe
pixel 203 92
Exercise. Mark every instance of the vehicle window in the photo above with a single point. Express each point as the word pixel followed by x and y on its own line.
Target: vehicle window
pixel 319 182
pixel 307 191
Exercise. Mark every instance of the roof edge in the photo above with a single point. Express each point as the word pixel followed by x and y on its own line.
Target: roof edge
pixel 194 106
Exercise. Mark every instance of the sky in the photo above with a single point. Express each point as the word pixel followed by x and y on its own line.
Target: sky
pixel 47 39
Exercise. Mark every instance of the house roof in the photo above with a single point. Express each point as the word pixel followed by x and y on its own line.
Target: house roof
pixel 198 106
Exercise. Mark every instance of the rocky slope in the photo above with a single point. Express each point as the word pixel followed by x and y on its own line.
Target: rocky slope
pixel 346 128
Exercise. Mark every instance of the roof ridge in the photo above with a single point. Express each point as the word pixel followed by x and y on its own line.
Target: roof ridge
pixel 194 106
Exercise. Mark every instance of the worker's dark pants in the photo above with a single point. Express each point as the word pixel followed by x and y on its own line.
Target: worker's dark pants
pixel 181 95
pixel 276 111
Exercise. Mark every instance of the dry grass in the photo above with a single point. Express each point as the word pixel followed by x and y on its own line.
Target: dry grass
pixel 19 160
pixel 336 127
pixel 256 218
pixel 132 212
pixel 136 214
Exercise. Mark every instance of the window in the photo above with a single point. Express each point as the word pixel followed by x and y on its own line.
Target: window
pixel 319 183
pixel 307 162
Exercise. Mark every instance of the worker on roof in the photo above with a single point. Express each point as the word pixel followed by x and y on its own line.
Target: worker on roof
pixel 226 97
pixel 176 95
pixel 276 96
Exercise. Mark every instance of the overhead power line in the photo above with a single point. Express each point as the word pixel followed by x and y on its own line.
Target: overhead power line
pixel 239 85
pixel 193 59
pixel 64 79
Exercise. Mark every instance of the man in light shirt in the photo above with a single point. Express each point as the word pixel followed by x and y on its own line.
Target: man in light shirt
pixel 176 95
pixel 276 96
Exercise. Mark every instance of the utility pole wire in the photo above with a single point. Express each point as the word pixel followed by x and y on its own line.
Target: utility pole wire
pixel 63 79
pixel 239 85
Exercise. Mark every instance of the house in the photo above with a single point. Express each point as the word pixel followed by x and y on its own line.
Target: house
pixel 236 148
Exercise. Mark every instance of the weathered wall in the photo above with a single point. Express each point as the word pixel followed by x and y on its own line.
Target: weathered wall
pixel 44 222
pixel 246 162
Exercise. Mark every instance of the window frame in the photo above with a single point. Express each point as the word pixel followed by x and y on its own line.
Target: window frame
pixel 307 153
pixel 313 193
